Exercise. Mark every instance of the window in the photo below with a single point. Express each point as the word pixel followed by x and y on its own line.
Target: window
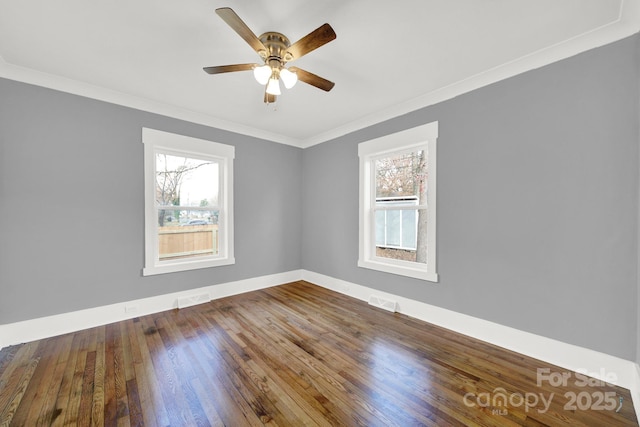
pixel 398 203
pixel 188 203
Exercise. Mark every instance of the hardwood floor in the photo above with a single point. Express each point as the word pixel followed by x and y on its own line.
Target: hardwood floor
pixel 292 355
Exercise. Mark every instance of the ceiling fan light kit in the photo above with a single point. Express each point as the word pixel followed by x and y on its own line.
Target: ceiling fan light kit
pixel 262 74
pixel 288 77
pixel 273 87
pixel 276 51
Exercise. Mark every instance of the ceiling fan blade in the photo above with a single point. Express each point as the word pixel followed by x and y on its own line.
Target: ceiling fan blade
pixel 313 79
pixel 238 25
pixel 268 98
pixel 316 38
pixel 218 69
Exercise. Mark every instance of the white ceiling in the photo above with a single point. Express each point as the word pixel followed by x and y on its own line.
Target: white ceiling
pixel 389 58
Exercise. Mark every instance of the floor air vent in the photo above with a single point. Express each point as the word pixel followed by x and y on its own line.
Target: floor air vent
pixel 190 300
pixel 385 304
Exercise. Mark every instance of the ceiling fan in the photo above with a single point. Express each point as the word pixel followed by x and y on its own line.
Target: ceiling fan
pixel 276 51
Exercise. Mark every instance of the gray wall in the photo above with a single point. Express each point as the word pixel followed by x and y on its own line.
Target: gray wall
pixel 537 202
pixel 71 197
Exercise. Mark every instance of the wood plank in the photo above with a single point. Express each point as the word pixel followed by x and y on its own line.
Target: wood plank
pixel 49 408
pixel 11 401
pixel 100 387
pixel 39 383
pixel 153 410
pixel 171 339
pixel 136 418
pixel 87 397
pixel 295 354
pixel 210 370
pixel 85 342
pixel 10 353
pixel 172 399
pixel 64 393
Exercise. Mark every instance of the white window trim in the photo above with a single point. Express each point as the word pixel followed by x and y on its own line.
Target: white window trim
pixel 155 140
pixel 367 152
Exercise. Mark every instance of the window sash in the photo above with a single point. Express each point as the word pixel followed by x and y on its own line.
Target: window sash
pixel 188 208
pixel 218 236
pixel 390 204
pixel 399 233
pixel 398 207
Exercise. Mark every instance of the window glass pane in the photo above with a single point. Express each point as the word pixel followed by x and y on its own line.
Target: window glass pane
pixel 409 229
pixel 192 233
pixel 380 227
pixel 402 175
pixel 396 227
pixel 181 216
pixel 393 228
pixel 186 181
pixel 410 236
pixel 421 238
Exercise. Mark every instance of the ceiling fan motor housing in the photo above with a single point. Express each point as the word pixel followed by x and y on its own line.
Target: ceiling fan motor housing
pixel 276 44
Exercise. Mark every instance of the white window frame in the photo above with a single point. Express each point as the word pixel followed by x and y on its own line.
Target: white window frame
pixel 424 136
pixel 156 141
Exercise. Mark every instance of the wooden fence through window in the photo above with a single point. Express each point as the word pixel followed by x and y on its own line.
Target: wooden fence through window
pixel 187 241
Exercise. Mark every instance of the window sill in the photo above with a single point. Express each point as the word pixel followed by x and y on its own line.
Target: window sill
pixel 401 270
pixel 186 266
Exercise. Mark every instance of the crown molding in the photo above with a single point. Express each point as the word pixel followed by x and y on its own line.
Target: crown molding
pixel 627 24
pixel 75 87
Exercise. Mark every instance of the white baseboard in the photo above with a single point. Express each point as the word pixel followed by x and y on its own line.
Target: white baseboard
pixel 45 327
pixel 571 357
pixel 568 356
